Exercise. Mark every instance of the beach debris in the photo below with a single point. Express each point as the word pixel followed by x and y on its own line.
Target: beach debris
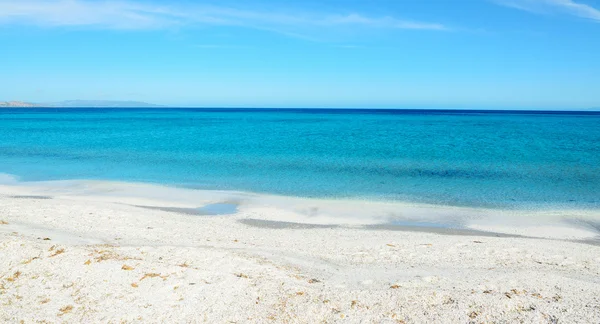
pixel 391 245
pixel 184 265
pixel 14 277
pixel 312 281
pixel 473 314
pixel 29 261
pixel 88 262
pixel 57 252
pixel 150 275
pixel 487 291
pixel 394 286
pixel 507 295
pixel 134 285
pixel 526 309
pixel 479 242
pixel 449 300
pixel 46 239
pixel 3 222
pixel 299 293
pixel 241 275
pixel 104 255
pixel 44 301
pixel 127 268
pixel 427 245
pixel 353 303
pixel 537 295
pixel 65 310
pixel 550 318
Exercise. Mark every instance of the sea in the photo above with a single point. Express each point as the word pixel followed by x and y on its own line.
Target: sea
pixel 478 158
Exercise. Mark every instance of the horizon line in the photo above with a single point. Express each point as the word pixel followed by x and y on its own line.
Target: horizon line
pixel 315 108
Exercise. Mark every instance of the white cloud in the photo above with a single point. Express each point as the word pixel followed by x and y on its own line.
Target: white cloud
pixel 385 22
pixel 554 6
pixel 144 15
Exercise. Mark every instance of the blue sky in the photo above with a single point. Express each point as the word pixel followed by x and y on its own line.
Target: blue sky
pixel 540 54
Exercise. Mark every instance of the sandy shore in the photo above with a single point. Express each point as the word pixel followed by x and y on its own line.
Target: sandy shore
pixel 75 254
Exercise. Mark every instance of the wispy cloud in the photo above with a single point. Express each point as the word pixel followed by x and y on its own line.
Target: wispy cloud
pixel 139 15
pixel 569 7
pixel 220 46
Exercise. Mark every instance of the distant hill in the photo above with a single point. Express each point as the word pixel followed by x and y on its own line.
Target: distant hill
pixel 101 104
pixel 79 104
pixel 17 104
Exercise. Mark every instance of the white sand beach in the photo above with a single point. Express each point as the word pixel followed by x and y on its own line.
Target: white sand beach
pixel 88 252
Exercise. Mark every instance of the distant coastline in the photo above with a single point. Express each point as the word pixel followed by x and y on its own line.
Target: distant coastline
pixel 17 104
pixel 79 104
pixel 141 104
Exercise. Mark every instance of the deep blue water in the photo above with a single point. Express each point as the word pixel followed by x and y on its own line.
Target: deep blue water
pixel 480 158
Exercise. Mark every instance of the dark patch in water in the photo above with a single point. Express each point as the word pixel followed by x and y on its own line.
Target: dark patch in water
pixel 217 209
pixel 31 197
pixel 281 225
pixel 413 227
pixel 587 223
pixel 423 224
pixel 440 229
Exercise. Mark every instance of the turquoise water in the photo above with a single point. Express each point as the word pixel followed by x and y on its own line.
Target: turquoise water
pixel 498 159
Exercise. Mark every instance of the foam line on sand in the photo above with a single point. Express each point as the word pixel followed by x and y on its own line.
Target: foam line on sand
pixel 570 224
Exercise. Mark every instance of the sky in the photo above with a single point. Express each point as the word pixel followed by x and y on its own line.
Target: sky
pixel 473 54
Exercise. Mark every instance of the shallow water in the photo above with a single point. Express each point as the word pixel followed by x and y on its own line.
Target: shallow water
pixel 494 159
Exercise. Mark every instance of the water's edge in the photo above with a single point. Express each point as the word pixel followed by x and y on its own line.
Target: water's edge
pixel 581 224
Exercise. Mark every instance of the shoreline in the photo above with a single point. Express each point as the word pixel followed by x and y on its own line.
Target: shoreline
pixel 566 224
